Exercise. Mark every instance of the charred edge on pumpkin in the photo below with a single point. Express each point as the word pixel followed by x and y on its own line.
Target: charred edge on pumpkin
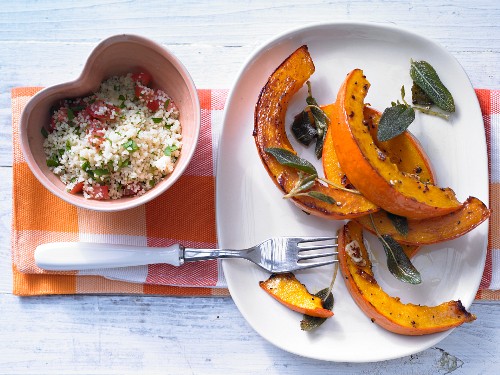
pixel 257 105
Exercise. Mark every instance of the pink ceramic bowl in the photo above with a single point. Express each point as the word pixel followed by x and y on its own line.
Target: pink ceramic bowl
pixel 117 55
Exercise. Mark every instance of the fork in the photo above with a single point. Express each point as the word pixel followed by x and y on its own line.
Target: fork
pixel 276 255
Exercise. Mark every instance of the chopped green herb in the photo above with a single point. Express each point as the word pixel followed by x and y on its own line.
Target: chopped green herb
pixel 101 172
pixel 169 149
pixel 77 108
pixel 157 120
pixel 166 103
pixel 123 163
pixel 53 161
pixel 44 132
pixel 86 168
pixel 68 145
pixel 71 115
pixel 130 145
pixel 121 97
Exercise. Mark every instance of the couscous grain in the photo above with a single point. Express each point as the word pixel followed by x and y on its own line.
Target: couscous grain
pixel 120 141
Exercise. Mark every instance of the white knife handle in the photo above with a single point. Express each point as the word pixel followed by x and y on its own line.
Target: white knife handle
pixel 76 256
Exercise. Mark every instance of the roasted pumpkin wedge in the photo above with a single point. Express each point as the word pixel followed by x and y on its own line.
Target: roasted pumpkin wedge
pixel 368 168
pixel 285 288
pixel 384 310
pixel 438 229
pixel 269 132
pixel 404 150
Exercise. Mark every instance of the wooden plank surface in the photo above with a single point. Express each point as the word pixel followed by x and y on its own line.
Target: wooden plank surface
pixel 46 42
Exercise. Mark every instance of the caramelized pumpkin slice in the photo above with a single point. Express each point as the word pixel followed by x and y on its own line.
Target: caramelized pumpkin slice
pixel 428 231
pixel 368 168
pixel 384 310
pixel 285 288
pixel 404 150
pixel 269 131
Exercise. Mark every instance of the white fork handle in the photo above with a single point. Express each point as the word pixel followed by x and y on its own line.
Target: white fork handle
pixel 76 256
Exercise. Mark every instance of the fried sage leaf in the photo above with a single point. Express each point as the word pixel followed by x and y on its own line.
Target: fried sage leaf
pixel 418 96
pixel 288 158
pixel 425 76
pixel 399 222
pixel 321 196
pixel 308 323
pixel 321 121
pixel 394 121
pixel 303 129
pixel 397 261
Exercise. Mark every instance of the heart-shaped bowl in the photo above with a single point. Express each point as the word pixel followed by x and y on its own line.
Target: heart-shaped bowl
pixel 114 56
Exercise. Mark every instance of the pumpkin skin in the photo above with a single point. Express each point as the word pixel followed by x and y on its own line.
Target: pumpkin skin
pixel 373 174
pixel 438 229
pixel 384 310
pixel 289 291
pixel 269 131
pixel 406 152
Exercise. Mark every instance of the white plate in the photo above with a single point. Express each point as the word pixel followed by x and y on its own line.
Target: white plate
pixel 250 207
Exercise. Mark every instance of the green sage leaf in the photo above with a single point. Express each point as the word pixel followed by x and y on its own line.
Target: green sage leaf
pixel 399 222
pixel 303 129
pixel 305 184
pixel 309 323
pixel 288 158
pixel 321 121
pixel 397 261
pixel 318 150
pixel 321 197
pixel 418 96
pixel 425 76
pixel 394 121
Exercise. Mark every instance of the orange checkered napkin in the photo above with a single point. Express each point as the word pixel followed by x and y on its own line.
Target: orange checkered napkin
pixel 40 217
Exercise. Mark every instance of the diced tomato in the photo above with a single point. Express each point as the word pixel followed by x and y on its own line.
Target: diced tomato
pixel 171 106
pixel 78 188
pixel 142 78
pixel 61 115
pixel 76 105
pixel 96 128
pixel 132 189
pixel 102 110
pixel 98 192
pixel 144 93
pixel 154 104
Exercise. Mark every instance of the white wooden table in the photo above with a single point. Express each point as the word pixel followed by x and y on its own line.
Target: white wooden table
pixel 46 42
